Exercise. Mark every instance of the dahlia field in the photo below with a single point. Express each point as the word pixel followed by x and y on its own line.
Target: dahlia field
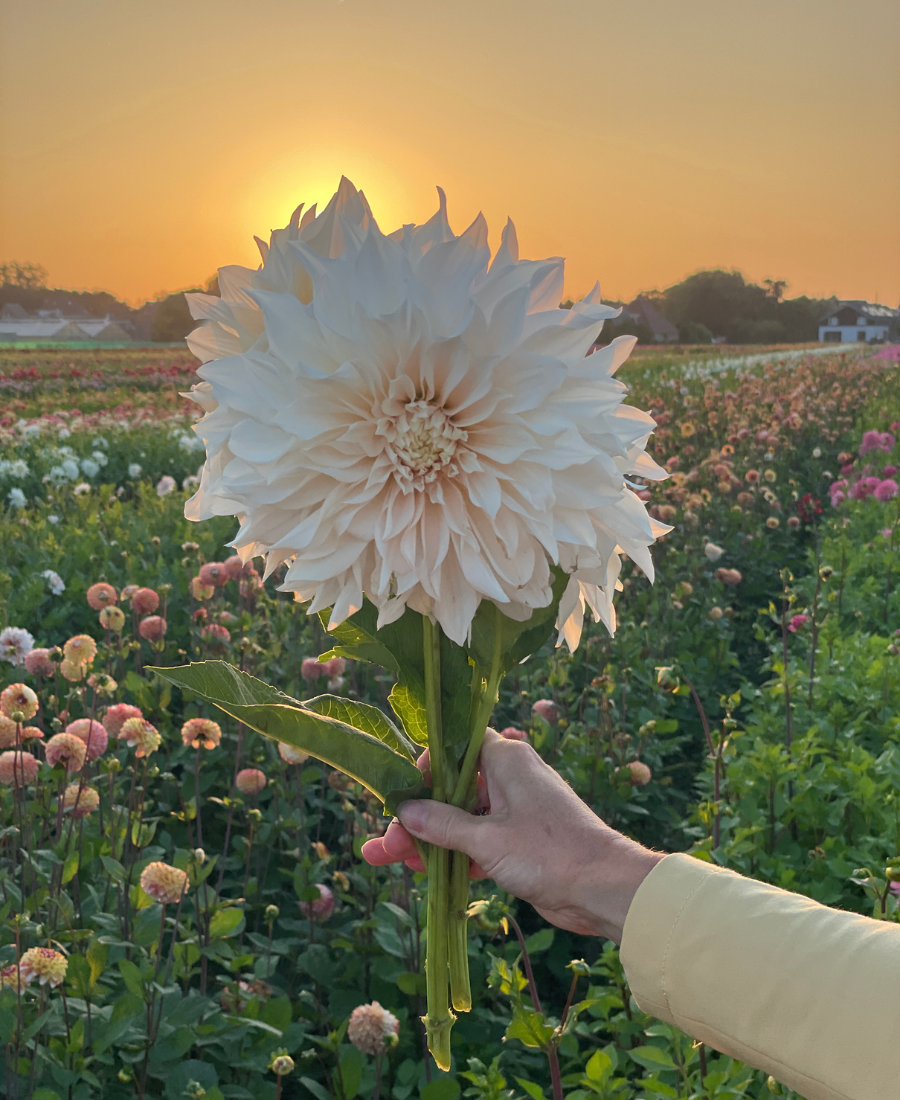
pixel 185 912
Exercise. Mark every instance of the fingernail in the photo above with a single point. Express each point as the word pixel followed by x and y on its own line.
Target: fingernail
pixel 413 815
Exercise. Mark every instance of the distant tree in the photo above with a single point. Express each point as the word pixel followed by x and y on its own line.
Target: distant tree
pixel 693 332
pixel 27 276
pixel 172 320
pixel 625 326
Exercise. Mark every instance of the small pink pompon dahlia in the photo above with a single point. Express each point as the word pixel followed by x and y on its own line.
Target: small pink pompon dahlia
pixel 144 601
pixel 152 628
pixel 80 800
pixel 250 781
pixel 199 733
pixel 18 699
pixel 18 769
pixel 372 1029
pixel 403 417
pixel 117 715
pixel 93 734
pixel 213 573
pixel 80 650
pixel 38 662
pixel 320 908
pixel 66 747
pixel 101 595
pixel 45 964
pixel 640 773
pixel 163 883
pixel 140 735
pixel 546 709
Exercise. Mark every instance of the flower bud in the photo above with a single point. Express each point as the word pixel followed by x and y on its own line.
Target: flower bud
pixel 272 912
pixel 281 1065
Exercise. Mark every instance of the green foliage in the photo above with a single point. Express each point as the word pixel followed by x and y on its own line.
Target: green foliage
pixel 233 983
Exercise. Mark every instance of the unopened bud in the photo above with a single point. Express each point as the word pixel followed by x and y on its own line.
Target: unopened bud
pixel 892 874
pixel 200 856
pixel 255 816
pixel 579 967
pixel 825 572
pixel 281 1065
pixel 271 914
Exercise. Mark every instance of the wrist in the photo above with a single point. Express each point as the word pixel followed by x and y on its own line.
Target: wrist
pixel 621 865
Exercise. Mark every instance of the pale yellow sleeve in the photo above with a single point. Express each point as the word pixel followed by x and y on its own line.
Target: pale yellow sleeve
pixel 809 994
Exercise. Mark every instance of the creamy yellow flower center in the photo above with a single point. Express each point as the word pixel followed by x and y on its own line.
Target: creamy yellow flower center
pixel 421 442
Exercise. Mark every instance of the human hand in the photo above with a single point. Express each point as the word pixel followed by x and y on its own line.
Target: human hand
pixel 538 841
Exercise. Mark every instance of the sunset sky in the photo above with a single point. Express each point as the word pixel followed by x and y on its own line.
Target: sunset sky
pixel 144 144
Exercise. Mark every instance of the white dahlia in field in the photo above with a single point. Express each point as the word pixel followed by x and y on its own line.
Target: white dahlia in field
pixel 401 417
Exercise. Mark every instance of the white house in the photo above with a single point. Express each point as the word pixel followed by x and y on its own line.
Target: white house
pixel 52 325
pixel 858 322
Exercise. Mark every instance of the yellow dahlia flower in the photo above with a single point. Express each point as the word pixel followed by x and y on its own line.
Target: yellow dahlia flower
pixel 163 883
pixel 140 735
pixel 404 418
pixel 45 964
pixel 81 649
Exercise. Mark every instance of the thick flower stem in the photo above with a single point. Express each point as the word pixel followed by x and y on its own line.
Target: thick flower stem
pixel 460 988
pixel 439 1019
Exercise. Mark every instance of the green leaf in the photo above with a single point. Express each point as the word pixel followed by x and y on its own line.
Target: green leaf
pixel 70 867
pixel 97 954
pixel 652 1058
pixel 351 1071
pixel 367 718
pixel 225 922
pixel 386 773
pixel 131 975
pixel 444 1088
pixel 530 1028
pixel 540 941
pixel 599 1067
pixel 517 640
pixel 533 1090
pixel 44 1094
pixel 411 983
pixel 318 1090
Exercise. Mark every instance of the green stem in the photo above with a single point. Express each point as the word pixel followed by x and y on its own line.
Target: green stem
pixel 460 987
pixel 439 1019
pixel 464 791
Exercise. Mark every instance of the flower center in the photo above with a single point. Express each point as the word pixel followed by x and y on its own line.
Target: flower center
pixel 421 442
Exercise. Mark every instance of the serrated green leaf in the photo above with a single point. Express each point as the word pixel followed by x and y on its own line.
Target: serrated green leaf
pixel 369 719
pixel 385 772
pixel 530 1028
pixel 599 1067
pixel 542 940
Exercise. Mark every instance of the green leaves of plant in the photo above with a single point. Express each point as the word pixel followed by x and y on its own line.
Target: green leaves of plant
pixel 365 752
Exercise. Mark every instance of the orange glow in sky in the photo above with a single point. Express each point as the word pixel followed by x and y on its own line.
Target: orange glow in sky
pixel 143 145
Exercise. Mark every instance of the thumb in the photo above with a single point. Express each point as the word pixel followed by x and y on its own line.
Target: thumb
pixel 440 824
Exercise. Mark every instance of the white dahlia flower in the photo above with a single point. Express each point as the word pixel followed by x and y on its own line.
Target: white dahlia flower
pixel 399 417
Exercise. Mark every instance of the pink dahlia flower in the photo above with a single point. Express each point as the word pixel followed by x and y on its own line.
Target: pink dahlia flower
pixel 117 715
pixel 213 574
pixel 547 710
pixel 38 663
pixel 320 908
pixel 153 628
pixel 144 601
pixel 250 781
pixel 101 595
pixel 80 801
pixel 886 490
pixel 18 769
pixel 93 734
pixel 140 735
pixel 199 733
pixel 68 749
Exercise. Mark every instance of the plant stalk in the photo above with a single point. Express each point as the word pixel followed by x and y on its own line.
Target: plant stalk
pixel 438 1019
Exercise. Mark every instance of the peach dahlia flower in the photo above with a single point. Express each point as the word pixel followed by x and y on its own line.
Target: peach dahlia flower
pixel 402 417
pixel 45 964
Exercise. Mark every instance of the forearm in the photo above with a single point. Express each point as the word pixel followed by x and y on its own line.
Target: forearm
pixel 801 991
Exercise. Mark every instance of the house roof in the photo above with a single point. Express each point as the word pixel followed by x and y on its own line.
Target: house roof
pixel 874 314
pixel 642 309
